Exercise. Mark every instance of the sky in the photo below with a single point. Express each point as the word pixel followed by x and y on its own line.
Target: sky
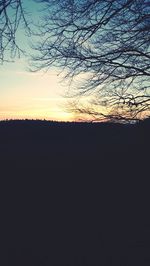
pixel 27 95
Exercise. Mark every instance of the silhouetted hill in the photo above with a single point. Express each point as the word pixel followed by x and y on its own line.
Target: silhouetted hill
pixel 75 193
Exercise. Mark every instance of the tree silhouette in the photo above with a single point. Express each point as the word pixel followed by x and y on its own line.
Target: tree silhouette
pixel 108 42
pixel 105 44
pixel 12 14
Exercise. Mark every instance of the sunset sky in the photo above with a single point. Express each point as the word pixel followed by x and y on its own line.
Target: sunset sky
pixel 110 87
pixel 30 95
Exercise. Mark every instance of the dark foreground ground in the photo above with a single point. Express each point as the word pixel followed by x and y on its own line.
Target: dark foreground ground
pixel 74 194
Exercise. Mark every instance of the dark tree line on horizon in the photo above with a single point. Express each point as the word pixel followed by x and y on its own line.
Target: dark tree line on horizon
pixel 102 46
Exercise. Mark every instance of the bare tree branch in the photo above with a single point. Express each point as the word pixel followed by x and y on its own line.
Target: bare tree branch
pixel 12 14
pixel 109 40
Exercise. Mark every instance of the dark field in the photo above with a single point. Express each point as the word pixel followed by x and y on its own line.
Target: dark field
pixel 75 193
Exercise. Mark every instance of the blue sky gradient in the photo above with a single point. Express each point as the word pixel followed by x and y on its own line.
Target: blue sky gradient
pixel 30 95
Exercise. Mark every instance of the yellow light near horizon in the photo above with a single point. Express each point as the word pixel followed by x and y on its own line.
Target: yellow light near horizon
pixel 32 96
pixel 47 114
